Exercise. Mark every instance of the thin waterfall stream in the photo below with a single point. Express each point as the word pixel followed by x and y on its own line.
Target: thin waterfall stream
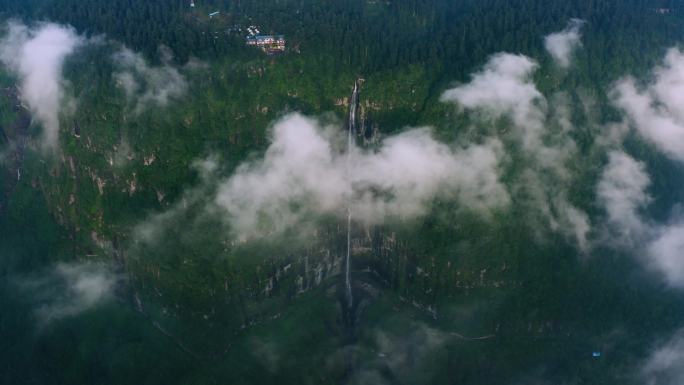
pixel 351 131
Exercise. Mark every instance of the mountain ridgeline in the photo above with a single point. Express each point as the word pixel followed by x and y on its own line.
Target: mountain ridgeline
pixel 211 214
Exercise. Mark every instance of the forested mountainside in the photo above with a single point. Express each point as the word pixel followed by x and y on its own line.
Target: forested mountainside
pixel 368 36
pixel 413 192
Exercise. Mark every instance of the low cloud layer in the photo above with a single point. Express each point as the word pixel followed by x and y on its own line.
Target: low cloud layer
pixel 149 86
pixel 307 171
pixel 561 45
pixel 302 173
pixel 667 253
pixel 622 192
pixel 69 289
pixel 504 89
pixel 656 109
pixel 36 55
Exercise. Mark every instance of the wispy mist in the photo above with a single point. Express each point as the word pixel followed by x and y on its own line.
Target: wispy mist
pixel 36 55
pixel 622 192
pixel 504 89
pixel 146 85
pixel 561 45
pixel 656 109
pixel 69 289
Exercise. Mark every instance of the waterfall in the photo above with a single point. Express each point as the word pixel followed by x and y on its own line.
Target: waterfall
pixel 350 143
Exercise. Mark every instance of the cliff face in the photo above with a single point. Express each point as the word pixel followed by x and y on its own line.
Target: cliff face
pixel 128 190
pixel 100 186
pixel 14 134
pixel 427 291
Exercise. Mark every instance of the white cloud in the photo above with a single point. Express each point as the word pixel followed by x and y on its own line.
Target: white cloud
pixel 622 192
pixel 561 45
pixel 576 223
pixel 303 174
pixel 657 110
pixel 147 85
pixel 70 289
pixel 36 55
pixel 414 168
pixel 504 88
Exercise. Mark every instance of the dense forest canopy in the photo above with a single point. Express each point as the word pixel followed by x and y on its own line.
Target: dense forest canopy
pixel 368 35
